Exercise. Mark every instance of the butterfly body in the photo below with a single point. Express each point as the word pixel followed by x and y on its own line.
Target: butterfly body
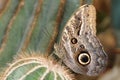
pixel 79 48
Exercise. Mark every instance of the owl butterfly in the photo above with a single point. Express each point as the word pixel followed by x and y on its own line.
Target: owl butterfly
pixel 79 48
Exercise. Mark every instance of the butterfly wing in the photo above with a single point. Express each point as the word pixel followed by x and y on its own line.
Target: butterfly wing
pixel 79 47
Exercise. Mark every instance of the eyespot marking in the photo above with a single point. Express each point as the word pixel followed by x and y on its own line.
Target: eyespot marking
pixel 84 59
pixel 74 41
pixel 82 46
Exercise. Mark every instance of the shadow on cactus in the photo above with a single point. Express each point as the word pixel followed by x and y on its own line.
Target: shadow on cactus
pixel 35 67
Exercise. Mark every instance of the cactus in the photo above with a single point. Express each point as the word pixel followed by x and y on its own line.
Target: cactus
pixel 32 25
pixel 35 67
pixel 28 25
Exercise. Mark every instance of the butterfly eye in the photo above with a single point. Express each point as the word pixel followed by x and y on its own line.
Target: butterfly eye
pixel 84 58
pixel 73 40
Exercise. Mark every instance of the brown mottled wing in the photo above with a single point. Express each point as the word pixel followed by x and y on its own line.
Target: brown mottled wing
pixel 79 47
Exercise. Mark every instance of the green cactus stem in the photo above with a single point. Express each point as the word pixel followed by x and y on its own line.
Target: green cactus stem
pixel 35 67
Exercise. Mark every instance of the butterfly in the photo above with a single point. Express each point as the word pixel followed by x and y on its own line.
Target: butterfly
pixel 79 48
